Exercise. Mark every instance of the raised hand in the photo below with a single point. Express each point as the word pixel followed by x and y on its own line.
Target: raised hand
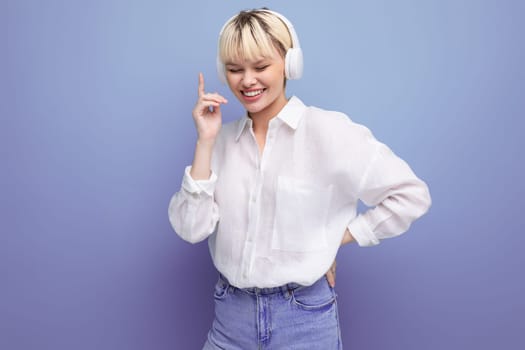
pixel 207 112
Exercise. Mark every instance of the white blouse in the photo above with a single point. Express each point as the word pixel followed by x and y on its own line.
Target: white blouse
pixel 279 217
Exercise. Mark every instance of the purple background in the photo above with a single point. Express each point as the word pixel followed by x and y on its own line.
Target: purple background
pixel 96 127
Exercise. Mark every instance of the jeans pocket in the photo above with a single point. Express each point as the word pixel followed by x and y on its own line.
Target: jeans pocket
pixel 319 296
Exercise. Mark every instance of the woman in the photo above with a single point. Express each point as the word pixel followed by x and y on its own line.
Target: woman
pixel 276 192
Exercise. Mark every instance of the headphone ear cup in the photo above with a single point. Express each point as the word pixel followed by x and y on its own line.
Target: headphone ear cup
pixel 294 63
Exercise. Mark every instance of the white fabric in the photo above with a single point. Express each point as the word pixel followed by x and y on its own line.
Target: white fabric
pixel 279 217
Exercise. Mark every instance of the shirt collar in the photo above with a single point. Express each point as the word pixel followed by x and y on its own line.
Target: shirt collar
pixel 241 125
pixel 291 115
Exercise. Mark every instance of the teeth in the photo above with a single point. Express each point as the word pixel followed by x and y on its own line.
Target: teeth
pixel 252 93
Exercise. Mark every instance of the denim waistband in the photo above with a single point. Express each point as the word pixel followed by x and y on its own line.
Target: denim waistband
pixel 287 288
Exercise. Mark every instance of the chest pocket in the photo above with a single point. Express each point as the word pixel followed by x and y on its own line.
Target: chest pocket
pixel 301 211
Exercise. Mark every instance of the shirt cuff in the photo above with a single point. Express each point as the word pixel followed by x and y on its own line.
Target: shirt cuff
pixel 198 186
pixel 362 233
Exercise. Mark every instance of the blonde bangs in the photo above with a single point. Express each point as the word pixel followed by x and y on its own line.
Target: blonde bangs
pixel 250 41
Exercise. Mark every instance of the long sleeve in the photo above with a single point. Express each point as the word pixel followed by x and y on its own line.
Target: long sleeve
pixel 395 194
pixel 193 212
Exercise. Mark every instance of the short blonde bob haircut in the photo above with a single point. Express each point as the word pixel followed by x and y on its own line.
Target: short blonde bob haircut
pixel 252 35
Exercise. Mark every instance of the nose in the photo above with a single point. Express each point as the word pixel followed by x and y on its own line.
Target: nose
pixel 249 78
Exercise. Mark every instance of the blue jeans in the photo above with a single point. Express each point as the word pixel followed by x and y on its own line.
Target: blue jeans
pixel 287 317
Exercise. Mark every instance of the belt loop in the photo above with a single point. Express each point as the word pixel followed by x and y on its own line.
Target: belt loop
pixel 289 291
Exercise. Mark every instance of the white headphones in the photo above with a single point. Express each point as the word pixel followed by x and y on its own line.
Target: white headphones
pixel 293 61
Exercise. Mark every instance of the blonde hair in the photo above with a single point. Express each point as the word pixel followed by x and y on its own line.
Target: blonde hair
pixel 253 34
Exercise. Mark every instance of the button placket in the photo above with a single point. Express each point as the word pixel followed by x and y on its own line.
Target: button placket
pixel 253 209
pixel 255 195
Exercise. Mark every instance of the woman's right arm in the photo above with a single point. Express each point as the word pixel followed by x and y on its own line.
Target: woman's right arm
pixel 192 211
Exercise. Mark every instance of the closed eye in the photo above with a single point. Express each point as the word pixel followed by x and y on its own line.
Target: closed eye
pixel 261 68
pixel 234 70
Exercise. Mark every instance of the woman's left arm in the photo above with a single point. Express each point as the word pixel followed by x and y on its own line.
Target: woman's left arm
pixel 384 182
pixel 395 195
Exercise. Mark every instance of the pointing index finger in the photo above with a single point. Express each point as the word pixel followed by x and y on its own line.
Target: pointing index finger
pixel 201 84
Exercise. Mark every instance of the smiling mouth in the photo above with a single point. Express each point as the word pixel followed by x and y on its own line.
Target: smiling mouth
pixel 253 93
